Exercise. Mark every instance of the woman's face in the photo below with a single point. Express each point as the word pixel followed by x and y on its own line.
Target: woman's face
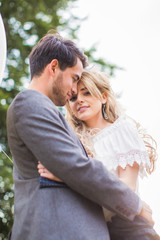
pixel 86 107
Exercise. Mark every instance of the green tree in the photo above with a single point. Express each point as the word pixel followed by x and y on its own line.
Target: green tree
pixel 26 21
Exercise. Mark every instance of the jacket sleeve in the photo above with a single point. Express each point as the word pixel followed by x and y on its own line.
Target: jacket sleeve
pixel 42 131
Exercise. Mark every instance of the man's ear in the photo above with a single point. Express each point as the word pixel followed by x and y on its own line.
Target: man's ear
pixel 104 98
pixel 53 66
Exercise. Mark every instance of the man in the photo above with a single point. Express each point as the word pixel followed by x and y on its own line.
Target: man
pixel 37 131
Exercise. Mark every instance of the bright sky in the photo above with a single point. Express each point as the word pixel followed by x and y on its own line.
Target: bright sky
pixel 127 33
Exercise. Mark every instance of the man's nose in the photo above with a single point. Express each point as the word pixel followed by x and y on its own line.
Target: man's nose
pixel 74 89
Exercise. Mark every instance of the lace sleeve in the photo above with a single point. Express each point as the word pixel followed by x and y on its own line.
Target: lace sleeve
pixel 121 145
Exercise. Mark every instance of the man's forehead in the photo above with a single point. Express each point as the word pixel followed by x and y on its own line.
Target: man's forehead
pixel 77 69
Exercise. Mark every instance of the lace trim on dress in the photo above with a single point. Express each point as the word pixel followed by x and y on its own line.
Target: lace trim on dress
pixel 133 156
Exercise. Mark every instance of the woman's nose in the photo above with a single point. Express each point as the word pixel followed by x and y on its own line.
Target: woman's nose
pixel 79 98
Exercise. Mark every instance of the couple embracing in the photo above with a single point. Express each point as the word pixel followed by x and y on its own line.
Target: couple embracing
pixel 71 206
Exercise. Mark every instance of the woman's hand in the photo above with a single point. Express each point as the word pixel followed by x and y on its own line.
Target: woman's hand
pixel 129 176
pixel 146 212
pixel 45 173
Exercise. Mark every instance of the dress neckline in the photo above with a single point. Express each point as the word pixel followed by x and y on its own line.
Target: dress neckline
pixel 111 127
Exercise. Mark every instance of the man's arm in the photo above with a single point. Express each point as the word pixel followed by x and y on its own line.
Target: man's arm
pixel 144 209
pixel 42 131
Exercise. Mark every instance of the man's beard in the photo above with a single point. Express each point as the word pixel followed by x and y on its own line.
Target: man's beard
pixel 59 97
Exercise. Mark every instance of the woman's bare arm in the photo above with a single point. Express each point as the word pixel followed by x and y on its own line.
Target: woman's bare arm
pixel 129 175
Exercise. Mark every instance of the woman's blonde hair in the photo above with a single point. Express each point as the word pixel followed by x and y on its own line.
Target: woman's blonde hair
pixel 98 85
pixel 150 145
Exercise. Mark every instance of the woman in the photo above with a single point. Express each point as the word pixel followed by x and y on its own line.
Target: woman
pixel 116 140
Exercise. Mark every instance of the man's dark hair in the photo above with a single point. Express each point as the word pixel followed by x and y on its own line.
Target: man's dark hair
pixel 53 46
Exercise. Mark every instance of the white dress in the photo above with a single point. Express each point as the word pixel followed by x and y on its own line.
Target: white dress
pixel 120 145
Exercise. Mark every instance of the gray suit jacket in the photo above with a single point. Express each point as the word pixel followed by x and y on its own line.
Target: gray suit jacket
pixel 37 131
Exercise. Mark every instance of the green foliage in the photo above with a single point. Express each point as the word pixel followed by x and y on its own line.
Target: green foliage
pixel 26 21
pixel 6 196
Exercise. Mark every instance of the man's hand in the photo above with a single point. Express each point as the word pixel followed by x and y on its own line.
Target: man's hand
pixel 45 173
pixel 146 212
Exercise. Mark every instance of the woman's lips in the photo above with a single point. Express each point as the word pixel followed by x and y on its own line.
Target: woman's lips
pixel 82 109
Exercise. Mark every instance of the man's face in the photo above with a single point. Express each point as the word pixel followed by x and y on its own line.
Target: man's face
pixel 65 83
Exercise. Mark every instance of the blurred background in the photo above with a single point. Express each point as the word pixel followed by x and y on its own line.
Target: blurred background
pixel 120 37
